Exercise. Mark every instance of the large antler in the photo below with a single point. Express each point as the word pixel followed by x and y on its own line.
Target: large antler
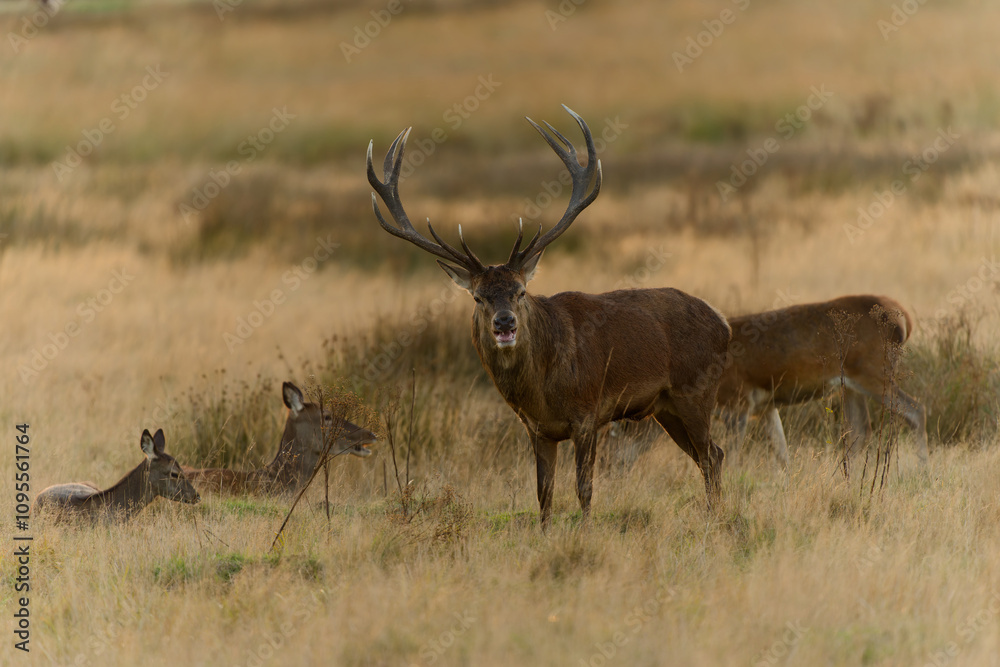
pixel 389 192
pixel 579 199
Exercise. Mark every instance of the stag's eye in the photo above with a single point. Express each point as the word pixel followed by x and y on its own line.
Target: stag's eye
pixel 478 300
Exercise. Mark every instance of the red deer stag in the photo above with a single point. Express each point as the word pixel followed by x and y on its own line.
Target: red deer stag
pixel 307 431
pixel 570 363
pixel 158 475
pixel 792 355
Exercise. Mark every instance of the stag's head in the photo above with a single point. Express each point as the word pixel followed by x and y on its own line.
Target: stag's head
pixel 499 290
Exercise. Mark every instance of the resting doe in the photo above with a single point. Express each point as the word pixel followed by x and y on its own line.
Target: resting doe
pixel 158 475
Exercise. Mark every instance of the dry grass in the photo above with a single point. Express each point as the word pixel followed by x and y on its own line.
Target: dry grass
pixel 796 568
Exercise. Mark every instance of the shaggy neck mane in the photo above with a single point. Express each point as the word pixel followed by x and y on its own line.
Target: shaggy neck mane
pixel 516 371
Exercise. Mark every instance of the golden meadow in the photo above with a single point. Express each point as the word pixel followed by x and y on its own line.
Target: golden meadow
pixel 186 224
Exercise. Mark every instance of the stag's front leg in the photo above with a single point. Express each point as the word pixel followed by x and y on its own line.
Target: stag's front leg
pixel 546 451
pixel 585 444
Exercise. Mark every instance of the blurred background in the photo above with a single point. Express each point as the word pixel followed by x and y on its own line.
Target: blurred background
pixel 185 223
pixel 184 202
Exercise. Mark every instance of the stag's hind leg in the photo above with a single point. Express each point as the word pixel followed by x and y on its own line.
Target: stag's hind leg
pixel 915 415
pixel 910 409
pixel 856 412
pixel 691 433
pixel 776 434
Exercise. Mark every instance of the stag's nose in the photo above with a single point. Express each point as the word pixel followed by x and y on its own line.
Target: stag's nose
pixel 504 320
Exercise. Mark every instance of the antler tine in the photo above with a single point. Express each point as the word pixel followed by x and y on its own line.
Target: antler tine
pixel 388 191
pixel 580 198
pixel 389 165
pixel 517 241
pixel 569 145
pixel 468 250
pixel 531 244
pixel 468 258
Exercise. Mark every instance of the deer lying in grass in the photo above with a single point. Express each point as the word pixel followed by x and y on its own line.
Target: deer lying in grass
pixel 158 475
pixel 570 363
pixel 792 355
pixel 307 431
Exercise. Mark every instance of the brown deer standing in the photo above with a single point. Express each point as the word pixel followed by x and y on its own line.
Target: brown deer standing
pixel 570 363
pixel 307 430
pixel 158 475
pixel 791 355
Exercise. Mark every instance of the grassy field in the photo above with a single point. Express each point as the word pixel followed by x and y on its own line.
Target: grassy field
pixel 144 285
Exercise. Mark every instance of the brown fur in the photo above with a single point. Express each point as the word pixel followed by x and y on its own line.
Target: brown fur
pixel 571 363
pixel 583 360
pixel 790 355
pixel 158 475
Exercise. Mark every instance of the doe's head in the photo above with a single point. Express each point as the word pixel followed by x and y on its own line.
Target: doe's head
pixel 311 426
pixel 165 477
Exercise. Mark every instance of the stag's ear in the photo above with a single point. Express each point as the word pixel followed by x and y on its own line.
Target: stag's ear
pixel 530 266
pixel 148 446
pixel 293 397
pixel 461 276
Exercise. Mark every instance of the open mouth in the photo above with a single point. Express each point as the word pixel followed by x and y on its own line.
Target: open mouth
pixel 505 338
pixel 361 449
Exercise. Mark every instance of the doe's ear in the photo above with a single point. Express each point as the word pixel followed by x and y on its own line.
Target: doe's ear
pixel 530 266
pixel 293 397
pixel 159 443
pixel 461 276
pixel 147 444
